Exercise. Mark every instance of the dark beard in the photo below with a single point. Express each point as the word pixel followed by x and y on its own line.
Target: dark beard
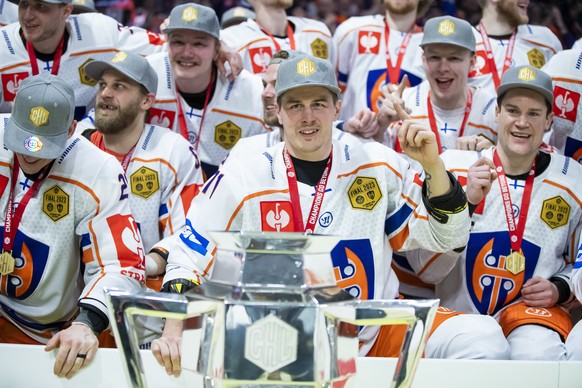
pixel 115 125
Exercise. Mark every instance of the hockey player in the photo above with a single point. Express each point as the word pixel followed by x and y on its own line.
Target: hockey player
pixel 68 231
pixel 272 30
pixel 504 40
pixel 373 51
pixel 566 136
pixel 526 223
pixel 48 40
pixel 195 100
pixel 162 170
pixel 362 194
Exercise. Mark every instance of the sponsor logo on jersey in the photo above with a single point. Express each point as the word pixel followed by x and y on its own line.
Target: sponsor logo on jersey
pixel 490 284
pixel 481 65
pixel 162 117
pixel 319 48
pixel 555 212
pixel 227 134
pixel 364 193
pixel 55 203
pixel 369 42
pixel 10 84
pixel 326 219
pixel 144 182
pixel 536 58
pixel 277 216
pixel 565 103
pixel 260 58
pixel 83 77
pixel 353 266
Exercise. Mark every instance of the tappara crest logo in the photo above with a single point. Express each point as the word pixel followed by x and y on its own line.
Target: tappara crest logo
pixel 10 84
pixel 565 103
pixel 260 58
pixel 353 266
pixel 277 216
pixel 493 279
pixel 369 42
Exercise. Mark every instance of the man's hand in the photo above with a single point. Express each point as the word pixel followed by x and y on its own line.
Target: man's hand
pixel 416 140
pixel 363 123
pixel 387 113
pixel 226 54
pixel 77 347
pixel 540 292
pixel 480 176
pixel 168 348
pixel 473 143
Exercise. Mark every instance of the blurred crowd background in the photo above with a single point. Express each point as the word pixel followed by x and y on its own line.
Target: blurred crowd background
pixel 564 17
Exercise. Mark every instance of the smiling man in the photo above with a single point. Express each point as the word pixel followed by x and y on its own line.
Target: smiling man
pixel 526 224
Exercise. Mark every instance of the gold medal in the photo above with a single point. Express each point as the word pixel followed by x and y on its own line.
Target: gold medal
pixel 515 262
pixel 6 263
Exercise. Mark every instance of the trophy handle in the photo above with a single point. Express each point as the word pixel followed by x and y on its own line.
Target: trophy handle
pixel 123 306
pixel 418 315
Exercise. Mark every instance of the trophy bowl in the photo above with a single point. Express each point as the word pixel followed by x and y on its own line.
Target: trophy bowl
pixel 271 315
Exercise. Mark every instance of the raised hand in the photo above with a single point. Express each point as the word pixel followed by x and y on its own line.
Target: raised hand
pixel 480 176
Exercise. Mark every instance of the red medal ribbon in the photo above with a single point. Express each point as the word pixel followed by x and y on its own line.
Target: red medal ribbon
pixel 182 120
pixel 394 71
pixel 432 119
pixel 290 35
pixel 56 60
pixel 294 193
pixel 13 218
pixel 490 58
pixel 515 230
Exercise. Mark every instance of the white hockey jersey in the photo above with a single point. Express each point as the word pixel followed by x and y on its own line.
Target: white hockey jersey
pixel 8 12
pixel 360 43
pixel 565 68
pixel 76 238
pixel 534 46
pixel 372 200
pixel 235 111
pixel 481 120
pixel 91 36
pixel 163 176
pixel 256 47
pixel 481 280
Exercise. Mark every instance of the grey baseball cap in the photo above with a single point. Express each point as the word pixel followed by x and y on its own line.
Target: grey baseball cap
pixel 236 14
pixel 82 6
pixel 529 78
pixel 133 66
pixel 41 116
pixel 305 70
pixel 448 30
pixel 196 17
pixel 54 1
pixel 284 55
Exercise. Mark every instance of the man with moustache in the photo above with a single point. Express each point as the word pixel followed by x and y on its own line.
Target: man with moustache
pixel 504 40
pixel 162 170
pixel 193 98
pixel 373 51
pixel 272 30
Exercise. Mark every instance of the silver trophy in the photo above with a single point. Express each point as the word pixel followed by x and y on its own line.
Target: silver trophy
pixel 271 315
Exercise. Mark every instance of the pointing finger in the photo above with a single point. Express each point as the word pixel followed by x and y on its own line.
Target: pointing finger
pixel 402 85
pixel 401 112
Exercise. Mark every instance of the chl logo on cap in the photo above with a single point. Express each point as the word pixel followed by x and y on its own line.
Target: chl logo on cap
pixel 39 116
pixel 446 27
pixel 526 74
pixel 189 14
pixel 305 67
pixel 119 57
